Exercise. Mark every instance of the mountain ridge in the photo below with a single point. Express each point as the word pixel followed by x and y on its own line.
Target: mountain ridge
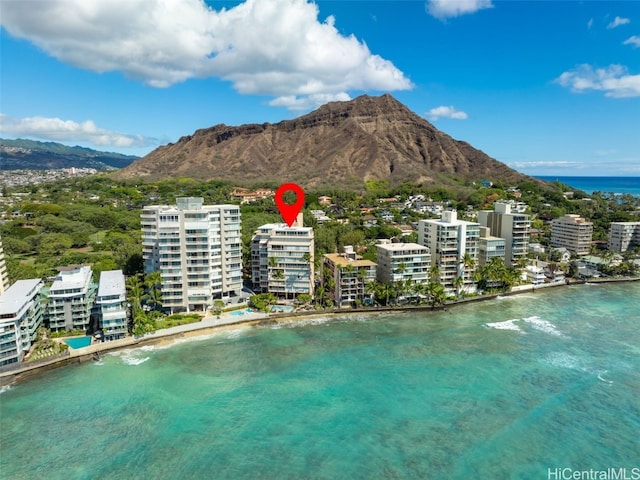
pixel 25 154
pixel 344 143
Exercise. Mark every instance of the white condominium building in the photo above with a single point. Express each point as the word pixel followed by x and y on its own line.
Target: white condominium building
pixel 20 316
pixel 573 233
pixel 4 276
pixel 454 248
pixel 70 299
pixel 111 305
pixel 351 275
pixel 513 227
pixel 282 259
pixel 197 249
pixel 402 262
pixel 624 236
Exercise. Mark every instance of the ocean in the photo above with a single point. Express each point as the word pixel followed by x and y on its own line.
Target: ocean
pixel 619 185
pixel 515 387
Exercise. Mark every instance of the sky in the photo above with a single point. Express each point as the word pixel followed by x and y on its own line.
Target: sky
pixel 547 87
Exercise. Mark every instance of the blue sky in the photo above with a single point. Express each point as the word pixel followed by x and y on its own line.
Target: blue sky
pixel 549 88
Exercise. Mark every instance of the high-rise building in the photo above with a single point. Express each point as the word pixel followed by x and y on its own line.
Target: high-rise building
pixel 70 299
pixel 20 316
pixel 351 275
pixel 282 259
pixel 4 276
pixel 111 305
pixel 454 249
pixel 573 233
pixel 513 227
pixel 197 249
pixel 624 236
pixel 402 262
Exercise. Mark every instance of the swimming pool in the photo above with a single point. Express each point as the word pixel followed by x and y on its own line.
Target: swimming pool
pixel 281 308
pixel 241 312
pixel 78 342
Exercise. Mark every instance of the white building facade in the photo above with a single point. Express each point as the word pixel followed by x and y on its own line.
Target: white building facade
pixel 572 232
pixel 454 249
pixel 20 316
pixel 402 262
pixel 282 259
pixel 624 236
pixel 70 299
pixel 4 276
pixel 111 305
pixel 514 227
pixel 197 249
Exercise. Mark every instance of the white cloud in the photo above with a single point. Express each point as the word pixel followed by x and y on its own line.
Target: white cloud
pixel 59 130
pixel 446 112
pixel 614 80
pixel 264 47
pixel 632 40
pixel 590 23
pixel 454 8
pixel 617 22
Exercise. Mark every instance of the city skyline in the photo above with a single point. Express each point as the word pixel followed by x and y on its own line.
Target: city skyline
pixel 549 88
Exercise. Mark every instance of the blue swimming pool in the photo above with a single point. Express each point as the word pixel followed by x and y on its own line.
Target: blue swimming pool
pixel 78 342
pixel 241 312
pixel 281 308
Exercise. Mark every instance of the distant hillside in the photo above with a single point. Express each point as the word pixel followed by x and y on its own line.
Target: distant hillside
pixel 30 154
pixel 340 144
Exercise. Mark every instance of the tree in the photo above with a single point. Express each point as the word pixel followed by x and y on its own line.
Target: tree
pixel 437 294
pixel 218 305
pixel 135 291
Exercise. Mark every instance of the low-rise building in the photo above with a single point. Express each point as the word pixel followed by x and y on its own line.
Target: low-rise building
pixel 489 247
pixel 20 316
pixel 111 305
pixel 351 275
pixel 70 299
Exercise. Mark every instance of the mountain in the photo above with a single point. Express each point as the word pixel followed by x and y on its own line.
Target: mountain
pixel 30 154
pixel 339 144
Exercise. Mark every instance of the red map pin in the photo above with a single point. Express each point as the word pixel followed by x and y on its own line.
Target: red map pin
pixel 289 211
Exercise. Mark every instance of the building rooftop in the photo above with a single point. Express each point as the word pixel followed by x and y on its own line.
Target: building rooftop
pixel 400 247
pixel 16 295
pixel 72 277
pixel 111 283
pixel 341 260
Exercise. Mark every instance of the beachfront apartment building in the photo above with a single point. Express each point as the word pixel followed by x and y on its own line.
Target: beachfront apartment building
pixel 572 232
pixel 514 227
pixel 351 274
pixel 282 259
pixel 4 276
pixel 454 248
pixel 624 236
pixel 490 247
pixel 70 299
pixel 402 262
pixel 196 248
pixel 111 305
pixel 21 314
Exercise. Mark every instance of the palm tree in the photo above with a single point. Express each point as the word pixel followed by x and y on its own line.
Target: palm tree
pixel 437 294
pixel 434 273
pixel 135 291
pixel 458 284
pixel 154 297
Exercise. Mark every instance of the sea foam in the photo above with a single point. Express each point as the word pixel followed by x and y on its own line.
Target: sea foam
pixel 543 325
pixel 506 325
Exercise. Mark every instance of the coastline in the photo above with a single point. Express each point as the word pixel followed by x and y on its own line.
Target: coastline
pixel 212 325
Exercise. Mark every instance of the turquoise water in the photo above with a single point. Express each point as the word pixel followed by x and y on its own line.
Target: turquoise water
pixel 78 342
pixel 630 185
pixel 499 389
